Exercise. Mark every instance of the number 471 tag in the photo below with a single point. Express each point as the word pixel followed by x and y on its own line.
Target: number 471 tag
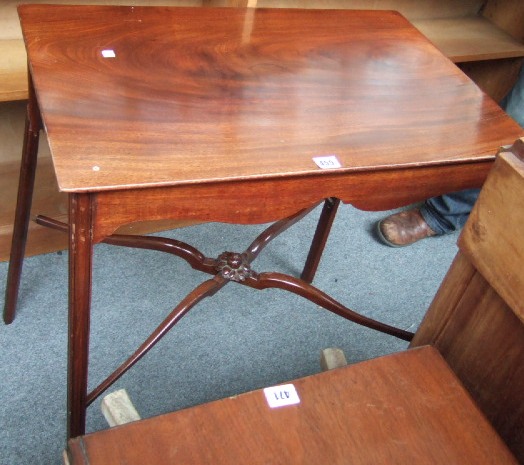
pixel 279 396
pixel 327 162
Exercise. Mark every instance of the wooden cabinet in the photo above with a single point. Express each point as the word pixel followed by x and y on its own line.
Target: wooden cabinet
pixel 484 38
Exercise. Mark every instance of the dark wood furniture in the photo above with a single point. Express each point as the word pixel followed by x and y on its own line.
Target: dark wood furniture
pixel 483 37
pixel 477 317
pixel 398 409
pixel 402 408
pixel 205 120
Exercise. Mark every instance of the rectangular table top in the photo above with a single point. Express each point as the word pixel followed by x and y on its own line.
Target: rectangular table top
pixel 400 409
pixel 135 97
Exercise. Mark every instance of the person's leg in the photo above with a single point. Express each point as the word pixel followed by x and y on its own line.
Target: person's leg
pixel 437 216
pixel 448 213
pixel 513 103
pixel 403 228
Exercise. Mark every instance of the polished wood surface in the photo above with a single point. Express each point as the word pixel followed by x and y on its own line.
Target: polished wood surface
pixel 205 119
pixel 256 95
pixel 494 76
pixel 239 202
pixel 477 317
pixel 399 409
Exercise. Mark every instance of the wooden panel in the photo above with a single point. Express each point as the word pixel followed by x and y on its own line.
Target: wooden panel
pixel 13 59
pixel 282 197
pixel 470 39
pixel 231 3
pixel 496 78
pixel 12 119
pixel 403 409
pixel 476 319
pixel 508 15
pixel 412 9
pixel 483 341
pixel 460 38
pixel 442 308
pixel 48 201
pixel 40 240
pixel 13 70
pixel 9 22
pixel 493 238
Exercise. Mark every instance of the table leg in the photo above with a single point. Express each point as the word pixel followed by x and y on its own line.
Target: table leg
pixel 236 266
pixel 33 125
pixel 80 279
pixel 327 216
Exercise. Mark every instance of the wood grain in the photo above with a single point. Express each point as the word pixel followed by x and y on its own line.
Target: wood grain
pixel 253 96
pixel 493 78
pixel 476 319
pixel 492 239
pixel 205 120
pixel 240 203
pixel 398 409
pixel 482 339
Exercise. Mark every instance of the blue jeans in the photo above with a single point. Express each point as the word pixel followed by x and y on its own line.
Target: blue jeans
pixel 513 103
pixel 449 212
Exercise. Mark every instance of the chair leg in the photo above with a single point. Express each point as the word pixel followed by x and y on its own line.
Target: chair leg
pixel 23 206
pixel 318 244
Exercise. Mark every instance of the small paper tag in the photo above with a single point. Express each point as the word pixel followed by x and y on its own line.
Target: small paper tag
pixel 327 162
pixel 108 53
pixel 279 396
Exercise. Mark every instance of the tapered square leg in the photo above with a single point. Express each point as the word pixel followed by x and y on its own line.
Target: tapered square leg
pixel 80 282
pixel 327 216
pixel 26 184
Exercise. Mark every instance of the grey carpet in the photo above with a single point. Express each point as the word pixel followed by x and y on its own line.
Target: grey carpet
pixel 236 341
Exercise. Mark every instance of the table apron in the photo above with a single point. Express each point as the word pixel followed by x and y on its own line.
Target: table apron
pixel 260 201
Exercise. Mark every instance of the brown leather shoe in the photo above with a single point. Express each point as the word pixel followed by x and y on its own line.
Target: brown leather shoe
pixel 403 228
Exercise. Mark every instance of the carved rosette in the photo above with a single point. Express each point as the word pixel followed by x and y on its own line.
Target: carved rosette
pixel 234 266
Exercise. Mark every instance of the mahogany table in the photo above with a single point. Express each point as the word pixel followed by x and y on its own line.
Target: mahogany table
pixel 398 409
pixel 235 115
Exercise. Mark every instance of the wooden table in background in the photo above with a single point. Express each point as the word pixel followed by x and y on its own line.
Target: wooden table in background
pixel 217 115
